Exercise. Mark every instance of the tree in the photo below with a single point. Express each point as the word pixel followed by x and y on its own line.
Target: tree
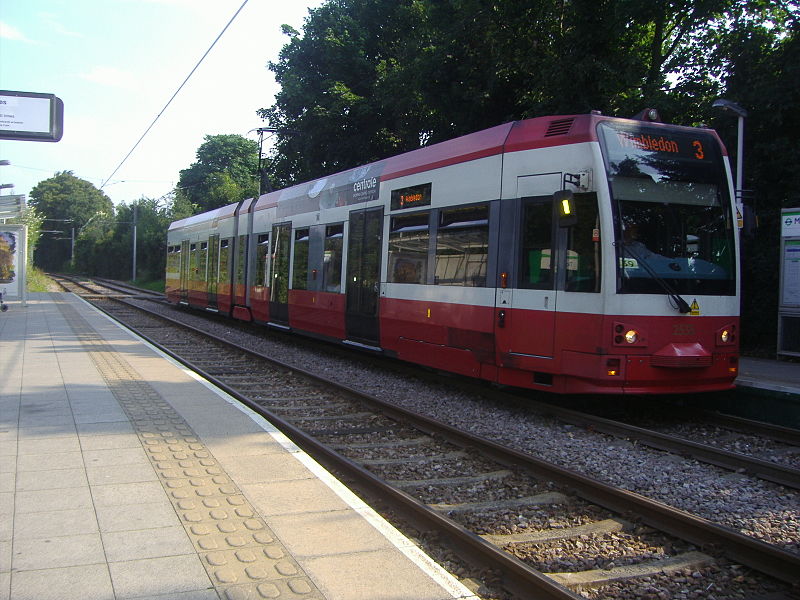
pixel 226 171
pixel 372 78
pixel 340 102
pixel 33 219
pixel 65 201
pixel 763 75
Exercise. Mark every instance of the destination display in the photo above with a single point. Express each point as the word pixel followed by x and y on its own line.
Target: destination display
pixel 410 197
pixel 634 141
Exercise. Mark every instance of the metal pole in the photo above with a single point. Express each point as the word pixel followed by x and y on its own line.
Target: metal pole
pixel 72 253
pixel 133 276
pixel 739 167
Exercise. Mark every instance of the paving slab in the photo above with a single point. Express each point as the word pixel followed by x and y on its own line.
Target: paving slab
pixel 125 476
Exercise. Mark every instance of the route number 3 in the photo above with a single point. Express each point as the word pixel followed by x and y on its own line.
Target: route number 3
pixel 698 150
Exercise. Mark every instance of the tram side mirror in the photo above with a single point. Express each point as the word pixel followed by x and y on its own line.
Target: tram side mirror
pixel 565 202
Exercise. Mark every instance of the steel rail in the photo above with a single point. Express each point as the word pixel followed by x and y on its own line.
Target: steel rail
pixel 734 461
pixel 519 578
pixel 761 556
pixel 778 433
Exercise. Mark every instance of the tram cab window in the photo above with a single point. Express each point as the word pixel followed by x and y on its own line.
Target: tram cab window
pixel 536 268
pixel 462 246
pixel 583 247
pixel 332 259
pixel 300 265
pixel 262 252
pixel 409 237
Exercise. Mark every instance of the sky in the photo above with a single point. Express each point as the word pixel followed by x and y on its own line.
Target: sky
pixel 116 63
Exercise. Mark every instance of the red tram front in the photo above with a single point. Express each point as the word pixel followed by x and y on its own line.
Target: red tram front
pixel 576 254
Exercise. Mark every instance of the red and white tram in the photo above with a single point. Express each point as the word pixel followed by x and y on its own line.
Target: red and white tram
pixel 576 254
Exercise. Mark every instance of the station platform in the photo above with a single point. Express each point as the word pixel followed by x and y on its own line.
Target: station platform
pixel 772 375
pixel 123 476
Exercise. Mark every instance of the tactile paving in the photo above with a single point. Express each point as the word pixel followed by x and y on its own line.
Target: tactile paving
pixel 242 556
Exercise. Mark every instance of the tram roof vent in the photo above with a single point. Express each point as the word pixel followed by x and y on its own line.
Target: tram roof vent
pixel 559 127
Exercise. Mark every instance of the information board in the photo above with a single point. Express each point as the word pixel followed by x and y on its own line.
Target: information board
pixel 12 261
pixel 791 274
pixel 30 116
pixel 789 306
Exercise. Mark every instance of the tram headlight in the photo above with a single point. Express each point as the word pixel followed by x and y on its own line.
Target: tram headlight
pixel 726 335
pixel 626 334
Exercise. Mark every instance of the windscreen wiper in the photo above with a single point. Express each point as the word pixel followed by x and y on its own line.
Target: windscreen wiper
pixel 682 306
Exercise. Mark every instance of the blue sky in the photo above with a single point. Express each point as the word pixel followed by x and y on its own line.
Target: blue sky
pixel 116 63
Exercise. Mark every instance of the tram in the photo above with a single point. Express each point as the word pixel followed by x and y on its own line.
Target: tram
pixel 576 254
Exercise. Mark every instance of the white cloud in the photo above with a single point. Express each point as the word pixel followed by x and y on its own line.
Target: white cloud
pixel 110 76
pixel 10 33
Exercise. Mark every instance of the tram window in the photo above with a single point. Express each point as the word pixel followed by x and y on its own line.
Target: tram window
pixel 193 269
pixel 583 247
pixel 241 260
pixel 536 261
pixel 462 246
pixel 224 261
pixel 332 260
pixel 203 260
pixel 262 251
pixel 279 284
pixel 409 237
pixel 300 266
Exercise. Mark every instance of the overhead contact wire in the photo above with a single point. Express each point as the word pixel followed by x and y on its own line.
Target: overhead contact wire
pixel 158 116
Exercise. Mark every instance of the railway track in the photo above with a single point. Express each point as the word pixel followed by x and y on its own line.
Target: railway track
pixel 515 515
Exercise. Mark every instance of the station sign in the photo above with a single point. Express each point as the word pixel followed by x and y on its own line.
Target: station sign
pixel 30 116
pixel 790 223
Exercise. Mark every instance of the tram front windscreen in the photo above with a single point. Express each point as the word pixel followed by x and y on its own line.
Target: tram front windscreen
pixel 672 209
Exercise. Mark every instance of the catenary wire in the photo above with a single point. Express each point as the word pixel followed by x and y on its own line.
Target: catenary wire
pixel 158 116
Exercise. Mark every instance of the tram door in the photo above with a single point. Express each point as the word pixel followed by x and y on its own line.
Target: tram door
pixel 184 274
pixel 364 247
pixel 213 269
pixel 279 274
pixel 526 310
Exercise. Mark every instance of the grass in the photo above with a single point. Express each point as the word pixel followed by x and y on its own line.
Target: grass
pixel 37 281
pixel 156 286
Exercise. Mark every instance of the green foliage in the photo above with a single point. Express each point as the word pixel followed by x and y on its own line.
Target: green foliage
pixel 64 201
pixel 37 280
pixel 33 219
pixel 226 171
pixel 105 246
pixel 370 78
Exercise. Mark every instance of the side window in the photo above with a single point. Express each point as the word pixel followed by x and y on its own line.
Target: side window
pixel 583 247
pixel 224 261
pixel 300 265
pixel 202 260
pixel 194 273
pixel 332 259
pixel 262 252
pixel 409 236
pixel 462 246
pixel 536 266
pixel 241 260
pixel 279 284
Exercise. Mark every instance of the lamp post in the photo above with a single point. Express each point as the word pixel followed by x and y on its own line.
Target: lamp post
pixel 732 107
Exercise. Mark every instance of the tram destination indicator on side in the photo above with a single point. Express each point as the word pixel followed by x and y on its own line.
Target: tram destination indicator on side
pixel 410 197
pixel 31 117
